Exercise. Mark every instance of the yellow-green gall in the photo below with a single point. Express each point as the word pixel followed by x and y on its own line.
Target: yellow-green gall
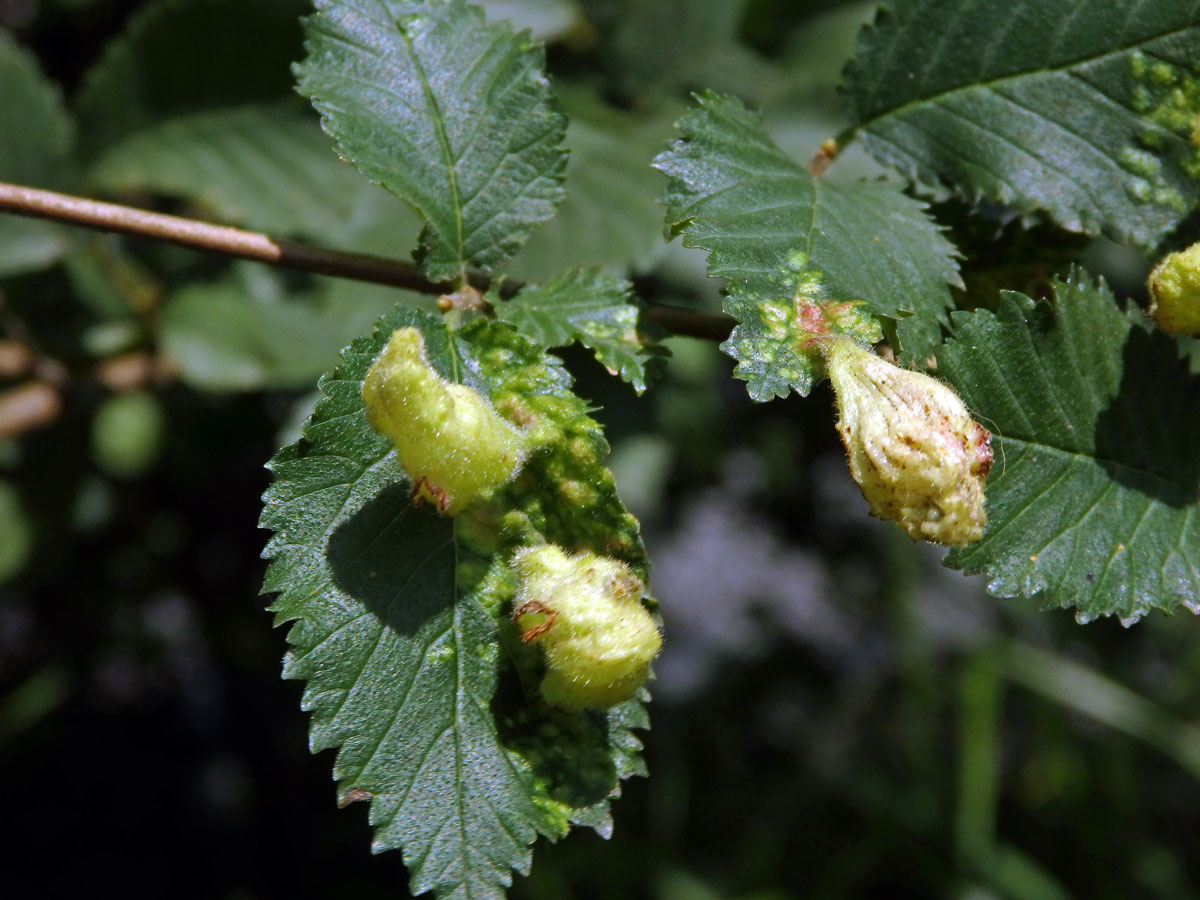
pixel 586 612
pixel 919 458
pixel 1174 287
pixel 449 440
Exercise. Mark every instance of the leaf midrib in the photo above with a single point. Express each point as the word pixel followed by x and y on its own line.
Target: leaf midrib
pixel 443 139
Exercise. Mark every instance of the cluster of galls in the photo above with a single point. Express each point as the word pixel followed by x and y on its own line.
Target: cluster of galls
pixel 913 448
pixel 585 610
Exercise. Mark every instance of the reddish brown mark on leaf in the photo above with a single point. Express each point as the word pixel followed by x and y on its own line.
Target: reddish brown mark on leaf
pixel 534 607
pixel 353 795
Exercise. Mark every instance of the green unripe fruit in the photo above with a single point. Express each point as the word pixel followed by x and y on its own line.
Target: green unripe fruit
pixel 919 458
pixel 586 611
pixel 449 440
pixel 1174 287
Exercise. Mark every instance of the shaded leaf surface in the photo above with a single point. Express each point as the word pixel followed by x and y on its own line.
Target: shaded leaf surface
pixel 447 112
pixel 777 234
pixel 1093 502
pixel 1083 109
pixel 401 620
pixel 179 57
pixel 586 306
pixel 703 49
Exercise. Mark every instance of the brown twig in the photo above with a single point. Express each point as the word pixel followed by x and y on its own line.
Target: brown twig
pixel 29 406
pixel 236 242
pixel 681 320
pixel 196 235
pixel 15 358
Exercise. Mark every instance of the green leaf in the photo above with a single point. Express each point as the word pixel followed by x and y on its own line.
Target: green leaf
pixel 546 19
pixel 16 532
pixel 227 132
pixel 1084 110
pixel 703 51
pixel 127 433
pixel 266 167
pixel 447 112
pixel 36 136
pixel 243 332
pixel 402 619
pixel 609 217
pixel 1093 501
pixel 179 57
pixel 586 306
pixel 784 240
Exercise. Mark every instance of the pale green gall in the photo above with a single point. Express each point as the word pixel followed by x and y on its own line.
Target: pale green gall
pixel 919 458
pixel 1174 287
pixel 450 441
pixel 586 612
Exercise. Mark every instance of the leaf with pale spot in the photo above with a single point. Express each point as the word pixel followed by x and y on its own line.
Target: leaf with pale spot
pixel 401 619
pixel 772 228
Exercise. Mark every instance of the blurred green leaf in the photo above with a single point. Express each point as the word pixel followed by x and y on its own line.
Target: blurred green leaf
pixel 609 217
pixel 447 112
pixel 587 306
pixel 661 46
pixel 1085 690
pixel 402 622
pixel 128 433
pixel 36 138
pixel 112 284
pixel 179 57
pixel 1092 502
pixel 1085 110
pixel 546 19
pixel 266 167
pixel 244 332
pixel 16 533
pixel 31 701
pixel 777 234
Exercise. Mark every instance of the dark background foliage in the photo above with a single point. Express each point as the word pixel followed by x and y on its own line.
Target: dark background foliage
pixel 835 714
